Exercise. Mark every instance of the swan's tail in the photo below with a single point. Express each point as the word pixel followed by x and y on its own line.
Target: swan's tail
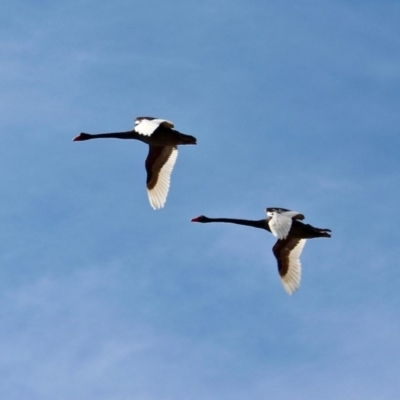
pixel 187 139
pixel 323 232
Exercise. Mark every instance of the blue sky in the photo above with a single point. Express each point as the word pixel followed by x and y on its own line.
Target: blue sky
pixel 294 104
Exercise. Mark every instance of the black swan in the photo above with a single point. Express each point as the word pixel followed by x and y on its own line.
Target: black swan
pixel 163 151
pixel 291 234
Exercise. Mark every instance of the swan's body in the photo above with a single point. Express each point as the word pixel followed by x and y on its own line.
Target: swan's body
pixel 163 152
pixel 291 234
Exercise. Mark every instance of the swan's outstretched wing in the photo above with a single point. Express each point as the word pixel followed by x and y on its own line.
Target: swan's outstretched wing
pixel 280 221
pixel 287 253
pixel 147 125
pixel 159 164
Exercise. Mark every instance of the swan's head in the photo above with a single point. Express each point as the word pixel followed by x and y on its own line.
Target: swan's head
pixel 81 136
pixel 201 218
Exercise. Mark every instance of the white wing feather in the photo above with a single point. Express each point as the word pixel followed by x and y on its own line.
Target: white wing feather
pixel 146 127
pixel 291 281
pixel 158 194
pixel 279 223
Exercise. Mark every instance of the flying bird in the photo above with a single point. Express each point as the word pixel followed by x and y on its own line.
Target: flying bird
pixel 163 152
pixel 286 225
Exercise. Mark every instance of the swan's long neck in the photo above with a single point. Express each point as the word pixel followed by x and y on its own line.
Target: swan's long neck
pixel 261 224
pixel 115 135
